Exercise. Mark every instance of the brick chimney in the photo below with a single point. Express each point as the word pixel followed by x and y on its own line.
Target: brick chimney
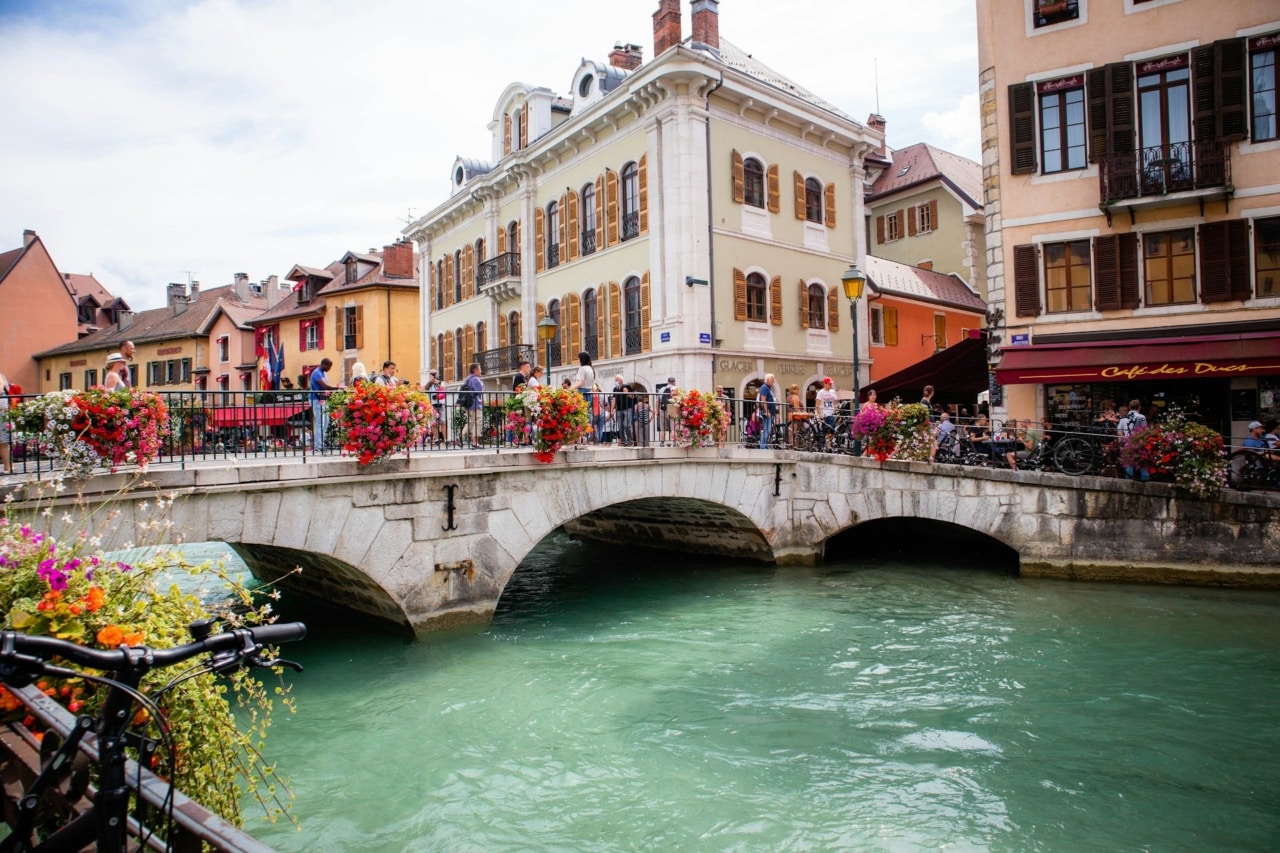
pixel 29 236
pixel 706 23
pixel 877 123
pixel 626 56
pixel 666 26
pixel 397 260
pixel 176 292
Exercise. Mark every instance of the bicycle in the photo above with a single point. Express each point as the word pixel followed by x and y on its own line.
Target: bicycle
pixel 105 824
pixel 1250 469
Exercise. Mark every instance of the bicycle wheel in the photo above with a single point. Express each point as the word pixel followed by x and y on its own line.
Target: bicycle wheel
pixel 1074 455
pixel 1244 471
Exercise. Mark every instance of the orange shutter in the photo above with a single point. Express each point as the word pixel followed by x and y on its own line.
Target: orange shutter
pixel 502 240
pixel 833 310
pixel 359 327
pixel 739 295
pixel 739 179
pixel 911 222
pixel 469 348
pixel 646 340
pixel 829 196
pixel 524 126
pixel 506 134
pixel 600 244
pixel 775 191
pixel 933 214
pixel 448 280
pixel 519 329
pixel 775 300
pixel 642 177
pixel 601 333
pixel 575 324
pixel 539 241
pixel 565 357
pixel 468 272
pixel 804 305
pixel 562 227
pixel 611 205
pixel 502 332
pixel 448 357
pixel 890 326
pixel 879 229
pixel 572 224
pixel 615 319
pixel 797 180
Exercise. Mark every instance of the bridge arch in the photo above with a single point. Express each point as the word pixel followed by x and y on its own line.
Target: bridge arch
pixel 912 539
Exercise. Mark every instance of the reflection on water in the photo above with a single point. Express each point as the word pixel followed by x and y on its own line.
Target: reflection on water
pixel 625 701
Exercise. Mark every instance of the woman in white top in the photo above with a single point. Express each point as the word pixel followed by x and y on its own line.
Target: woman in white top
pixel 535 377
pixel 585 376
pixel 112 375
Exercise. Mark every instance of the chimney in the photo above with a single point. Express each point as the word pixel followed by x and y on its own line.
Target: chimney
pixel 397 260
pixel 877 123
pixel 28 237
pixel 706 23
pixel 176 293
pixel 241 287
pixel 124 319
pixel 666 26
pixel 626 56
pixel 195 290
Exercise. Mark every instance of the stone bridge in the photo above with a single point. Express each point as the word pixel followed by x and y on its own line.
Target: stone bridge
pixel 431 541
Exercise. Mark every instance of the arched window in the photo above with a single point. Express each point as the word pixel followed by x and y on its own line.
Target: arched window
pixel 513 329
pixel 553 234
pixel 630 201
pixel 817 307
pixel 438 361
pixel 457 276
pixel 479 251
pixel 753 182
pixel 480 337
pixel 553 311
pixel 459 354
pixel 591 324
pixel 516 118
pixel 513 237
pixel 757 296
pixel 633 316
pixel 588 236
pixel 813 199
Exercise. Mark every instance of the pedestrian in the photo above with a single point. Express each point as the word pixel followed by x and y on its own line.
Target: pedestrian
pixel 115 374
pixel 522 375
pixel 666 410
pixel 320 387
pixel 127 349
pixel 472 399
pixel 387 377
pixel 435 390
pixel 825 402
pixel 640 417
pixel 624 404
pixel 767 403
pixel 598 408
pixel 535 376
pixel 927 399
pixel 359 374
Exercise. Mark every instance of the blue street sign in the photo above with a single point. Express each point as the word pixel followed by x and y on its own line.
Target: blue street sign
pixel 665 337
pixel 704 337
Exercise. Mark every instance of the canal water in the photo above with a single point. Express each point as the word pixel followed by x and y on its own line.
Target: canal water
pixel 630 701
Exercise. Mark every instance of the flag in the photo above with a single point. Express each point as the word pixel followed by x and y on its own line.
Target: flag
pixel 277 365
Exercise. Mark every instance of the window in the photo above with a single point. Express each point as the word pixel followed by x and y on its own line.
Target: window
pixel 591 324
pixel 304 290
pixel 584 87
pixel 1262 75
pixel 439 285
pixel 1062 129
pixel 513 237
pixel 757 295
pixel 517 119
pixel 457 276
pixel 1164 121
pixel 513 329
pixel 64 381
pixel 813 200
pixel 753 182
pixel 479 252
pixel 630 201
pixel 90 378
pixel 311 334
pixel 1169 266
pixel 553 234
pixel 924 216
pixel 224 345
pixel 155 373
pixel 482 337
pixel 875 319
pixel 1050 12
pixel 351 271
pixel 223 383
pixel 84 314
pixel 1067 277
pixel 892 227
pixel 633 338
pixel 352 327
pixel 173 372
pixel 557 356
pixel 186 371
pixel 1266 236
pixel 817 307
pixel 588 237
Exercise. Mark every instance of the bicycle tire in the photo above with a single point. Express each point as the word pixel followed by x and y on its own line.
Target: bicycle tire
pixel 1074 456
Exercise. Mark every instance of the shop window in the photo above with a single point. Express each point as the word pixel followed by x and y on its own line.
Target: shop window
pixel 1266 241
pixel 1169 267
pixel 1068 281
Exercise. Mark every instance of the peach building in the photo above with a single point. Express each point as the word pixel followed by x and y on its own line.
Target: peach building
pixel 1132 175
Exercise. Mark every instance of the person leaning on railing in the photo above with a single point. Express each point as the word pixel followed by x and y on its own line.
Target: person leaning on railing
pixel 318 382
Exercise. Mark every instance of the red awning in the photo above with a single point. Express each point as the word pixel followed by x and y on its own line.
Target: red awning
pixel 958 373
pixel 1204 357
pixel 251 416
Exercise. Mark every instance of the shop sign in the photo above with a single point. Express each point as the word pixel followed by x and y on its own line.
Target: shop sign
pixel 171 350
pixel 1198 368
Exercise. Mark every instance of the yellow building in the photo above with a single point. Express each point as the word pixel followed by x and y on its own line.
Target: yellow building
pixel 688 217
pixel 1131 156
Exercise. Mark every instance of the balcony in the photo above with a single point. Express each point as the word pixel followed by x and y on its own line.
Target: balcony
pixel 630 225
pixel 1164 175
pixel 588 241
pixel 504 359
pixel 553 256
pixel 499 277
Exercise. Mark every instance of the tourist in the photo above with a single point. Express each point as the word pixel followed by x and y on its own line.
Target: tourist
pixel 598 408
pixel 796 414
pixel 320 387
pixel 115 375
pixel 585 377
pixel 535 376
pixel 640 419
pixel 521 378
pixel 623 404
pixel 435 389
pixel 767 405
pixel 6 458
pixel 927 399
pixel 387 377
pixel 665 393
pixel 472 399
pixel 1028 437
pixel 127 349
pixel 359 374
pixel 825 402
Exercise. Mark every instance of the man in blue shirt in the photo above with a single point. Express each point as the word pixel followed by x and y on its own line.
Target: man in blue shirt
pixel 767 400
pixel 318 382
pixel 475 405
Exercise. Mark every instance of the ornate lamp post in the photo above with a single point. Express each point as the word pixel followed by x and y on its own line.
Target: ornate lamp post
pixel 853 281
pixel 546 334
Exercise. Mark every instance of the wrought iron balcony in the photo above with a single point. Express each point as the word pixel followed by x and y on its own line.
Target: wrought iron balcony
pixel 1163 170
pixel 499 277
pixel 553 255
pixel 630 225
pixel 631 342
pixel 504 359
pixel 588 241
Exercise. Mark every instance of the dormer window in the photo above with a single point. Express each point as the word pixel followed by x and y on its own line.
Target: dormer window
pixel 84 313
pixel 459 177
pixel 584 87
pixel 304 291
pixel 351 271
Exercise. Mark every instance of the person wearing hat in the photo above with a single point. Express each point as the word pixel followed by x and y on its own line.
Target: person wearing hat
pixel 359 373
pixel 1257 441
pixel 825 402
pixel 115 373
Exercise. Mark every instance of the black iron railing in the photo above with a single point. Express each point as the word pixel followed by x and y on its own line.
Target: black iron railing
pixel 630 225
pixel 1164 169
pixel 504 359
pixel 506 265
pixel 588 241
pixel 631 342
pixel 553 255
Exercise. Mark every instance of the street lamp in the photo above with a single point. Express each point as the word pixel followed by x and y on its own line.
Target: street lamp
pixel 546 334
pixel 853 281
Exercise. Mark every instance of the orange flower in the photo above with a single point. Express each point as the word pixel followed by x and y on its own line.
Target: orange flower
pixel 95 599
pixel 134 639
pixel 110 636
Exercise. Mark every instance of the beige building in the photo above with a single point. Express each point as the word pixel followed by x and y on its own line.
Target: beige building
pixel 689 216
pixel 1132 170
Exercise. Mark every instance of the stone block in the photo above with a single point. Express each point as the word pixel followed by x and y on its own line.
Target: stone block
pixel 361 526
pixel 259 523
pixel 385 550
pixel 297 509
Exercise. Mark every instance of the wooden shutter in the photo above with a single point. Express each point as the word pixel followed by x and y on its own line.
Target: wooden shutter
pixel 524 125
pixel 890 326
pixel 833 310
pixel 539 240
pixel 1022 128
pixel 1111 115
pixel 302 336
pixel 797 183
pixel 739 295
pixel 1129 297
pixel 506 134
pixel 739 179
pixel 448 357
pixel 575 324
pixel 775 192
pixel 339 329
pixel 1096 99
pixel 359 327
pixel 775 300
pixel 879 229
pixel 599 194
pixel 611 203
pixel 563 227
pixel 804 305
pixel 469 348
pixel 1224 261
pixel 1026 281
pixel 571 224
pixel 646 339
pixel 565 357
pixel 468 272
pixel 615 319
pixel 502 240
pixel 1220 90
pixel 502 332
pixel 933 214
pixel 1115 278
pixel 911 222
pixel 829 199
pixel 642 178
pixel 448 280
pixel 602 336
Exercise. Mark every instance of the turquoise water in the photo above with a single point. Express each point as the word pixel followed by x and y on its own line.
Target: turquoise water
pixel 633 702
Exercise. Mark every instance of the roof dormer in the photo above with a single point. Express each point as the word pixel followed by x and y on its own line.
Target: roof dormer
pixel 464 169
pixel 593 80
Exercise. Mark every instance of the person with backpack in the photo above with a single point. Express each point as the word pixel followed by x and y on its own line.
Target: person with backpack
pixel 664 409
pixel 470 398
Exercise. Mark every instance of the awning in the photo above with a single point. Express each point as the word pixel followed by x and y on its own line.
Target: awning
pixel 1201 357
pixel 251 416
pixel 958 374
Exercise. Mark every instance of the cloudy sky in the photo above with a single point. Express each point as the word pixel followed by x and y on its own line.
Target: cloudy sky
pixel 151 140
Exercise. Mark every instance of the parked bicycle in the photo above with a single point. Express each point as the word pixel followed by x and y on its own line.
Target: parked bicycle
pixel 1250 469
pixel 107 739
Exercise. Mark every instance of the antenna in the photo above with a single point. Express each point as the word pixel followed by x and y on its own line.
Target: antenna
pixel 189 274
pixel 875 65
pixel 408 220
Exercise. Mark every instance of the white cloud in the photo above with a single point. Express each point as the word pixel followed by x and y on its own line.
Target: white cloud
pixel 220 136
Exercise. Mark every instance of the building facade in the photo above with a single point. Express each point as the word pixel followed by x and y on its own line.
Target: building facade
pixel 1131 157
pixel 690 216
